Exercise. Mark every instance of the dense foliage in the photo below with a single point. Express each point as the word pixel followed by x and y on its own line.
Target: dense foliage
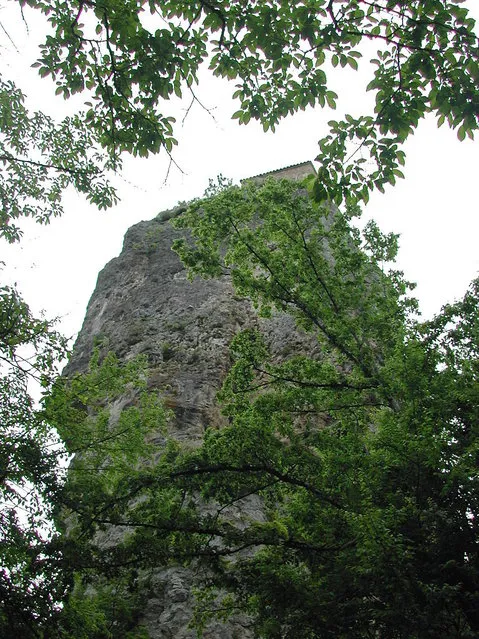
pixel 85 416
pixel 29 348
pixel 361 451
pixel 364 451
pixel 359 447
pixel 130 58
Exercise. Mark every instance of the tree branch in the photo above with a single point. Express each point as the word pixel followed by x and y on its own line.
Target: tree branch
pixel 6 157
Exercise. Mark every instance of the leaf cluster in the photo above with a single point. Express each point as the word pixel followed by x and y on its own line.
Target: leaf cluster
pixel 40 159
pixel 362 453
pixel 133 56
pixel 29 463
pixel 44 570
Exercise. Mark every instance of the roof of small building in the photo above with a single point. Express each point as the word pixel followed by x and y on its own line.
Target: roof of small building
pixel 307 165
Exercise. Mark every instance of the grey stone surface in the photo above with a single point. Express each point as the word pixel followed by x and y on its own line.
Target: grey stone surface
pixel 143 303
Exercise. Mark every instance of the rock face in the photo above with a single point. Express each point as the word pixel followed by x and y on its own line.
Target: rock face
pixel 143 303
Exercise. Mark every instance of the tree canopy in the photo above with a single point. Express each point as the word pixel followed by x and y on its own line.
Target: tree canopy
pixel 40 158
pixel 84 416
pixel 29 348
pixel 364 454
pixel 130 58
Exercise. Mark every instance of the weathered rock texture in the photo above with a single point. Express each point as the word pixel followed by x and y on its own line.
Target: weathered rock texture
pixel 143 303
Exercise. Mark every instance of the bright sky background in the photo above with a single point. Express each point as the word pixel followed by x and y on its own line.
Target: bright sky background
pixel 436 209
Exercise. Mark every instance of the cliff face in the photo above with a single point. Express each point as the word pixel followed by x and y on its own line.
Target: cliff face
pixel 143 303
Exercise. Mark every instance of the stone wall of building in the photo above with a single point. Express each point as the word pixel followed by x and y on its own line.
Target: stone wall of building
pixel 295 172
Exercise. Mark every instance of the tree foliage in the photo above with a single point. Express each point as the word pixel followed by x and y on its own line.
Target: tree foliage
pixel 84 416
pixel 364 454
pixel 131 57
pixel 40 159
pixel 360 450
pixel 29 349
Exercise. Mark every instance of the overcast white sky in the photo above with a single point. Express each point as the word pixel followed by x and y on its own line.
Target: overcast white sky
pixel 436 209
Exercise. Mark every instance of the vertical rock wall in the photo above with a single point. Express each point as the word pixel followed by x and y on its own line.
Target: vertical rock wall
pixel 143 303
